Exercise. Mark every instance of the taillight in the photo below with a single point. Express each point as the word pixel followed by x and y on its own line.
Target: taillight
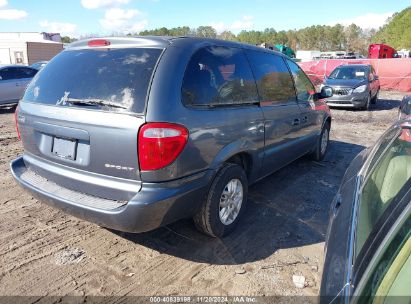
pixel 98 42
pixel 159 144
pixel 16 120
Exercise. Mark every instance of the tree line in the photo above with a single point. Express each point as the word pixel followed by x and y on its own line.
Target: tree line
pixel 395 32
pixel 316 37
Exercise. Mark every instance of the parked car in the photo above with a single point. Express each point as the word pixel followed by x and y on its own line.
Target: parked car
pixel 405 107
pixel 39 65
pixel 13 81
pixel 368 242
pixel 354 86
pixel 135 133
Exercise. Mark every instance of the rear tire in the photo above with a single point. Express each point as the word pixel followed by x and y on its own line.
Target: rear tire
pixel 322 143
pixel 225 202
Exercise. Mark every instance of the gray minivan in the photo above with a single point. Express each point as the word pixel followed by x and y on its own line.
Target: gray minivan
pixel 135 133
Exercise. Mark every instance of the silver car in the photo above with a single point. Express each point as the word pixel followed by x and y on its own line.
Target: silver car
pixel 13 83
pixel 368 243
pixel 354 86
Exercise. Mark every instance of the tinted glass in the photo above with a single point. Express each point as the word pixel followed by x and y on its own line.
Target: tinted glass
pixel 6 74
pixel 304 87
pixel 389 278
pixel 21 73
pixel 115 75
pixel 382 145
pixel 351 72
pixel 274 81
pixel 385 180
pixel 218 76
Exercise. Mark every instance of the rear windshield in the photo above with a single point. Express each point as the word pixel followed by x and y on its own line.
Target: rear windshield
pixel 115 79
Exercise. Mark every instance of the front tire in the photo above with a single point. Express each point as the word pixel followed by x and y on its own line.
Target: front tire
pixel 366 107
pixel 375 98
pixel 225 202
pixel 322 143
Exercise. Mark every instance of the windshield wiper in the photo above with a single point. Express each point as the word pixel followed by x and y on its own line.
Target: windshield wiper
pixel 99 102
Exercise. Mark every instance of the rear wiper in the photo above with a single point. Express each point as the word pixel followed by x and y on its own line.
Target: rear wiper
pixel 95 102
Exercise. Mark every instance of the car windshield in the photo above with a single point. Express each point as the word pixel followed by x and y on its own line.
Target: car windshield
pixel 117 78
pixel 349 73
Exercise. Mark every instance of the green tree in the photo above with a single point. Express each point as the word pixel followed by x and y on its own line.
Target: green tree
pixel 181 31
pixel 353 36
pixel 397 31
pixel 269 35
pixel 67 39
pixel 206 32
pixel 227 35
pixel 251 37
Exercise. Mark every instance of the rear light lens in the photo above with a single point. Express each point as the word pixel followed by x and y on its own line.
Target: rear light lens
pixel 159 144
pixel 16 120
pixel 98 42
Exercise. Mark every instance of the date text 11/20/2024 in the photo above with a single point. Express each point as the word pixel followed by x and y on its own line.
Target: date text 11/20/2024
pixel 200 299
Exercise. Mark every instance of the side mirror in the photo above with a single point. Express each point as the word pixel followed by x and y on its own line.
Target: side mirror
pixel 326 92
pixel 376 77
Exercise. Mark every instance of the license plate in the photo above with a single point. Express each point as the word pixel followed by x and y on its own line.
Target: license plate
pixel 64 148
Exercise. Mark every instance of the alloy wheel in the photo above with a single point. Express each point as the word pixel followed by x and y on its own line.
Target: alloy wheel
pixel 324 140
pixel 230 201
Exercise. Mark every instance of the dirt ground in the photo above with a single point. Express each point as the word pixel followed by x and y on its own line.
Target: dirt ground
pixel 45 252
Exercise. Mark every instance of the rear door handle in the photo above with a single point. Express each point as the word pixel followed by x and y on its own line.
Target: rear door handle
pixel 296 122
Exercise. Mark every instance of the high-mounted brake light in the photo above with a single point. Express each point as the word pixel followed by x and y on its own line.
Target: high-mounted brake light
pixel 159 144
pixel 98 42
pixel 16 120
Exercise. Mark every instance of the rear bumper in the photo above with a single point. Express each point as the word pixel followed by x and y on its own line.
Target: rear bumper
pixel 155 205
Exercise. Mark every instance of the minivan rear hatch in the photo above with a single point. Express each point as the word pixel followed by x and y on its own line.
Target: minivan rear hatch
pixel 80 116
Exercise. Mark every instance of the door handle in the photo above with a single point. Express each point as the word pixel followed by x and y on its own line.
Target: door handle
pixel 296 122
pixel 17 84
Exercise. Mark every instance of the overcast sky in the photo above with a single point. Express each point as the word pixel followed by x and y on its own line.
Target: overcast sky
pixel 79 17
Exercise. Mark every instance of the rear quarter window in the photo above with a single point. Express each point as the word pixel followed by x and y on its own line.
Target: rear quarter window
pixel 115 75
pixel 218 76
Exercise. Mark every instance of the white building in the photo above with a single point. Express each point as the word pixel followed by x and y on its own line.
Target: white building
pixel 28 48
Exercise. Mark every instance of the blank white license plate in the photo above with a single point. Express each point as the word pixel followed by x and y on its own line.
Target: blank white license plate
pixel 64 148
